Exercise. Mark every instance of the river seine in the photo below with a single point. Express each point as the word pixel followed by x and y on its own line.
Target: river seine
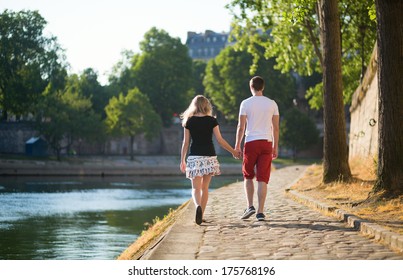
pixel 84 218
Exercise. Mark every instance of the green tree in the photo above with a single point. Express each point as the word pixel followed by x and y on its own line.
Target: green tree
pixel 28 62
pixel 132 115
pixel 390 67
pixel 92 89
pixel 305 37
pixel 122 77
pixel 227 81
pixel 163 72
pixel 198 73
pixel 65 116
pixel 335 151
pixel 297 131
pixel 50 120
pixel 84 123
pixel 295 42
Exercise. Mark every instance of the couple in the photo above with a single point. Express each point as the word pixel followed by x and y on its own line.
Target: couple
pixel 258 120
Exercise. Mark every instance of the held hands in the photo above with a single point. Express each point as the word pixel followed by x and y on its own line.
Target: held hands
pixel 237 153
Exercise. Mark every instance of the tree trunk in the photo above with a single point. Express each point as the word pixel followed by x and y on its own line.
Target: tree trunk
pixel 335 150
pixel 390 68
pixel 4 115
pixel 58 153
pixel 131 147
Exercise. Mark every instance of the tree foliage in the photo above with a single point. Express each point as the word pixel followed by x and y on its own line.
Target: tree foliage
pixel 294 42
pixel 297 131
pixel 121 78
pixel 163 72
pixel 227 81
pixel 131 115
pixel 64 116
pixel 90 88
pixel 198 73
pixel 29 60
pixel 84 122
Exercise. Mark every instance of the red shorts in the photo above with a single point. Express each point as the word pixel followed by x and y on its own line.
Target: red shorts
pixel 257 153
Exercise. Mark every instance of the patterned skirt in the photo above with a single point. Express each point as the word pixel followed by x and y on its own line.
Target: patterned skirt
pixel 202 165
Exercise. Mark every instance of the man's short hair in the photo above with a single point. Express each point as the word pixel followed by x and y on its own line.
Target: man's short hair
pixel 257 83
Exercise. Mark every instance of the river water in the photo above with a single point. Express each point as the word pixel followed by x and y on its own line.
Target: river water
pixel 88 218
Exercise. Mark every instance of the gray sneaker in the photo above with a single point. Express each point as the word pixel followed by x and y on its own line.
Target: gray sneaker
pixel 248 212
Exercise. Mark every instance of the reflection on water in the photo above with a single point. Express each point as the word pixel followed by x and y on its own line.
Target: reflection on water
pixel 83 218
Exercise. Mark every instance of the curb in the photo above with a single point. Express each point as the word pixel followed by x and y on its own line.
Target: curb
pixel 371 229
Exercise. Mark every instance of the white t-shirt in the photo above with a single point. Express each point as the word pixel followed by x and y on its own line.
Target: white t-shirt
pixel 259 111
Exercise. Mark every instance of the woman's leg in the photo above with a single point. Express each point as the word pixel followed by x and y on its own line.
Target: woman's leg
pixel 197 194
pixel 204 191
pixel 197 190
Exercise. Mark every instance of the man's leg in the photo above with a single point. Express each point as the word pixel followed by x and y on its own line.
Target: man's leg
pixel 261 196
pixel 263 168
pixel 249 191
pixel 248 171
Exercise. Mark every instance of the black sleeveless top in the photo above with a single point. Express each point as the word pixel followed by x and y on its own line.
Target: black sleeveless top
pixel 201 133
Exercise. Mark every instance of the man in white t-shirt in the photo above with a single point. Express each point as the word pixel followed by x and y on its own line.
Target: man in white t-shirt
pixel 259 122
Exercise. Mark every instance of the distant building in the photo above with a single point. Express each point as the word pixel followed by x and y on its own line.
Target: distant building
pixel 207 45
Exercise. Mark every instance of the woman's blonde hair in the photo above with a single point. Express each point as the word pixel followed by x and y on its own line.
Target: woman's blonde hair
pixel 199 105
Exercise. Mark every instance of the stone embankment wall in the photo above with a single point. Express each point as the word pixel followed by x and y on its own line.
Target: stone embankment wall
pixel 13 136
pixel 169 142
pixel 363 136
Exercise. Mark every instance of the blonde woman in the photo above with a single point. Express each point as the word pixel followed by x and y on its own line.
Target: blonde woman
pixel 201 164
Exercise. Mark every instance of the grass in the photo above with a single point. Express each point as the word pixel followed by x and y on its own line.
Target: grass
pixel 356 196
pixel 151 235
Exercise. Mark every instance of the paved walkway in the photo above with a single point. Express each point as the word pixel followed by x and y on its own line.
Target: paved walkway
pixel 291 231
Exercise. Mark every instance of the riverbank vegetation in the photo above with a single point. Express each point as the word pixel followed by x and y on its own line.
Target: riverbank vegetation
pixel 152 234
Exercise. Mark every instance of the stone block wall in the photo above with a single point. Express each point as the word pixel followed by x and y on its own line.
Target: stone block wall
pixel 363 137
pixel 13 136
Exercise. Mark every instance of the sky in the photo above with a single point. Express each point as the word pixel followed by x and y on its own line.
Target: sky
pixel 95 32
